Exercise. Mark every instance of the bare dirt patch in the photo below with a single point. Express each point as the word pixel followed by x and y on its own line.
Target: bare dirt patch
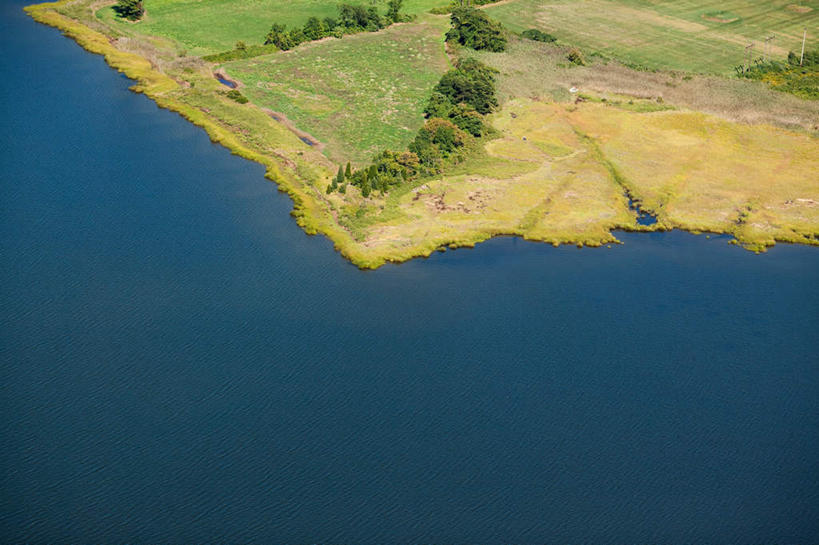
pixel 798 8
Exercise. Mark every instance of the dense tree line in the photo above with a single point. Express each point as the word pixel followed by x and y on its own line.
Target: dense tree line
pixel 455 114
pixel 352 18
pixel 129 9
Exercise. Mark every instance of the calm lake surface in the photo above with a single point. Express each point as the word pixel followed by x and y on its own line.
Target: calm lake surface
pixel 180 363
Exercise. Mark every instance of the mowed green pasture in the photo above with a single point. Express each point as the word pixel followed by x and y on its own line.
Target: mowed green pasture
pixel 210 26
pixel 693 35
pixel 357 95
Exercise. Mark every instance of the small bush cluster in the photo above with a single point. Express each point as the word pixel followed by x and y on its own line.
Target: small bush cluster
pixel 473 28
pixel 454 115
pixel 233 94
pixel 352 18
pixel 538 36
pixel 576 57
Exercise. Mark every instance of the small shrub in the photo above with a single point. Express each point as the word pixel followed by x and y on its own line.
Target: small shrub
pixel 538 36
pixel 576 57
pixel 233 94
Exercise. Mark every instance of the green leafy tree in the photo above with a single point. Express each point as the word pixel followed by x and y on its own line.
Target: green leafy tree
pixel 438 105
pixel 130 9
pixel 471 83
pixel 353 16
pixel 315 29
pixel 297 36
pixel 473 28
pixel 467 119
pixel 279 37
pixel 374 20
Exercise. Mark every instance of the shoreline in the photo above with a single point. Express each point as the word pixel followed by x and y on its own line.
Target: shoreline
pixel 310 213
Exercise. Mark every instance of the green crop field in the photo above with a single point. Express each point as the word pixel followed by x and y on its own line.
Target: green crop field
pixel 694 35
pixel 358 95
pixel 209 26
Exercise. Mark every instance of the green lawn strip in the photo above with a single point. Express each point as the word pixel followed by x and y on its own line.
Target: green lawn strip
pixel 665 34
pixel 211 26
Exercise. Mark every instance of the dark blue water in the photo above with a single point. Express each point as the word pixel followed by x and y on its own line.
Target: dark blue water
pixel 179 363
pixel 223 81
pixel 643 217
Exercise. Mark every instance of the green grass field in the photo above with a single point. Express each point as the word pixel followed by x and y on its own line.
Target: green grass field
pixel 210 26
pixel 693 35
pixel 357 95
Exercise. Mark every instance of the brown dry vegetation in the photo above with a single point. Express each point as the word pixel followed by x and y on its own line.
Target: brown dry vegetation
pixel 535 70
pixel 562 173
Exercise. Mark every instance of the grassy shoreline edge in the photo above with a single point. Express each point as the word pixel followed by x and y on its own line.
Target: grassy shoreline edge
pixel 151 83
pixel 310 214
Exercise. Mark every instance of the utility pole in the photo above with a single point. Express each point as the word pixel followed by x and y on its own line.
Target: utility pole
pixel 748 50
pixel 804 37
pixel 767 50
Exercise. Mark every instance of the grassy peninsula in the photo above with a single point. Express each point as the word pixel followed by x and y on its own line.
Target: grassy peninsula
pixel 561 138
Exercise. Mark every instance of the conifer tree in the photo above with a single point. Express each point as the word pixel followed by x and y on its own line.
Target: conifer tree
pixel 349 172
pixel 130 9
pixel 340 175
pixel 393 10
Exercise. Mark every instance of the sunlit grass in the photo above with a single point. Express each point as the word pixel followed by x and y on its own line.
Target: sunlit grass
pixel 696 35
pixel 211 26
pixel 358 95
